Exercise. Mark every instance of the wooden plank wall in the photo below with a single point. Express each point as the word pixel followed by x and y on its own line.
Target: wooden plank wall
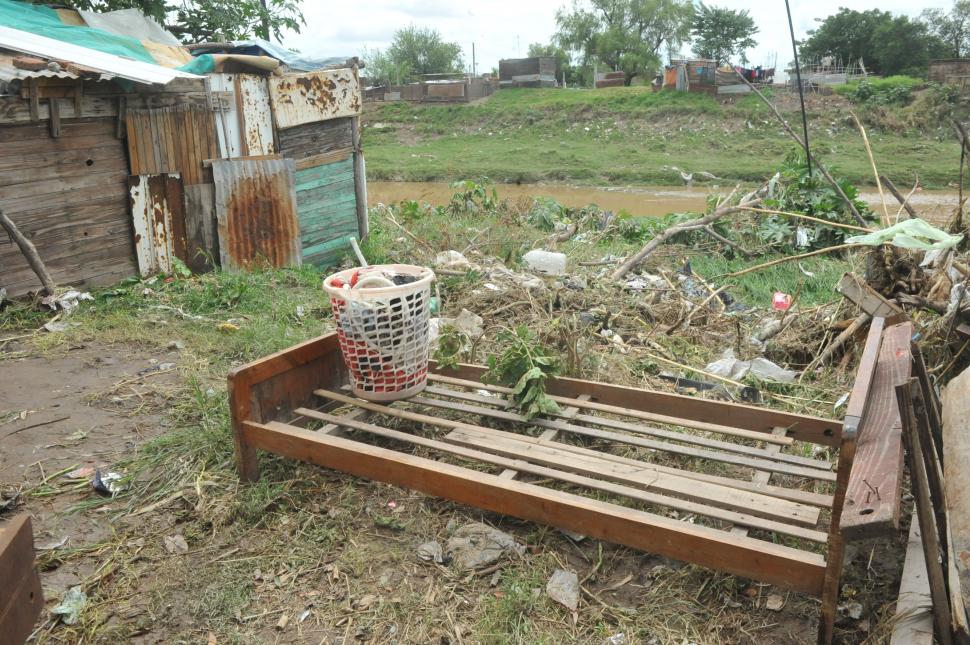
pixel 325 194
pixel 173 140
pixel 69 196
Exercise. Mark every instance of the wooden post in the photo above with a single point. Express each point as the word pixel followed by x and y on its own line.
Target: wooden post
pixel 360 179
pixel 29 251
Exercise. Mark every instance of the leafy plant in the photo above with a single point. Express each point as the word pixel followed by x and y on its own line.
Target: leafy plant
pixel 545 213
pixel 524 366
pixel 451 342
pixel 794 191
pixel 473 197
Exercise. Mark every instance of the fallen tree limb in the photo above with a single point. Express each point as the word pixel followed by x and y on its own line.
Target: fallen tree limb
pixel 875 171
pixel 723 240
pixel 30 252
pixel 692 225
pixel 839 341
pixel 798 139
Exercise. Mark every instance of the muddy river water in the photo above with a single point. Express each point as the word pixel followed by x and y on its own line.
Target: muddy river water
pixel 643 201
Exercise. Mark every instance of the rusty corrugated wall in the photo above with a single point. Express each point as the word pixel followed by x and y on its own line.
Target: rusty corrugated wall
pixel 158 216
pixel 315 96
pixel 256 213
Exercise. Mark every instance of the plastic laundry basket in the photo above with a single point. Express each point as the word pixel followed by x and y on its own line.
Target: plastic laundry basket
pixel 383 328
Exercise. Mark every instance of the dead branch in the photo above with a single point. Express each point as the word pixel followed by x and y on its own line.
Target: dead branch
pixel 723 240
pixel 904 202
pixel 809 218
pixel 839 341
pixel 798 139
pixel 691 225
pixel 875 171
pixel 29 251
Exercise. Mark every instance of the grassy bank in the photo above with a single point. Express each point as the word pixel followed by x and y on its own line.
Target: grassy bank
pixel 630 136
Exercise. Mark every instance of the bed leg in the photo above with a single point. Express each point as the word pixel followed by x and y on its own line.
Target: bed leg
pixel 247 465
pixel 836 542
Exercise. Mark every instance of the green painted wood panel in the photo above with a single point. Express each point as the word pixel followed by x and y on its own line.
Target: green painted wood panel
pixel 327 206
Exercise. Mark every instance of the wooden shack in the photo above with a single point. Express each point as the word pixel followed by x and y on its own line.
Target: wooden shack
pixel 114 168
pixel 950 71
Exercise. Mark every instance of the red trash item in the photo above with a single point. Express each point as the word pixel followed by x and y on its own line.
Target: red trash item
pixel 781 301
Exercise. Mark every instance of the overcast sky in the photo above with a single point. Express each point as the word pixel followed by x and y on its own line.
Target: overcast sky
pixel 504 28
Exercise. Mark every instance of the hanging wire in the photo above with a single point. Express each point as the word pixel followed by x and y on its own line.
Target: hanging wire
pixel 801 94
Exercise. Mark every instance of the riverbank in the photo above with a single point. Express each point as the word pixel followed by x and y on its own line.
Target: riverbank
pixel 634 137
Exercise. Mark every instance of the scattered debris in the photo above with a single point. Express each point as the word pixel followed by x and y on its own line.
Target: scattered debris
pixel 431 552
pixel 176 544
pixel 176 345
pixel 547 262
pixel 781 301
pixel 774 602
pixel 57 326
pixel 108 483
pixel 730 367
pixel 51 546
pixel 455 261
pixel 71 606
pixel 563 587
pixel 476 545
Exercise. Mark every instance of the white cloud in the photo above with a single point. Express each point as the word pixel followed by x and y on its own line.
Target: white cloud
pixel 504 28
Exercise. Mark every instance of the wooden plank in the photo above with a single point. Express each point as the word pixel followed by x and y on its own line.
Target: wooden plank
pixel 761 477
pixel 684 437
pixel 627 412
pixel 202 245
pixel 512 467
pixel 914 607
pixel 55 117
pixel 548 435
pixel 595 464
pixel 686 451
pixel 956 456
pixel 322 159
pixel 775 564
pixel 21 598
pixel 924 510
pixel 866 298
pixel 874 494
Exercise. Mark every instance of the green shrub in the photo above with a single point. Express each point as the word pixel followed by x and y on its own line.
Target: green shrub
pixel 891 90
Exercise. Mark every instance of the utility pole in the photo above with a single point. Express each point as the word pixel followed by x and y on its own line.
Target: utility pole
pixel 474 68
pixel 264 20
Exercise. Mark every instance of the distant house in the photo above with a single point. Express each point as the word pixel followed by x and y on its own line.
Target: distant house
pixel 538 71
pixel 950 71
pixel 123 152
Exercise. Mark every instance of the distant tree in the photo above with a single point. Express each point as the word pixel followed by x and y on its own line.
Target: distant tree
pixel 904 46
pixel 952 28
pixel 721 33
pixel 846 35
pixel 626 35
pixel 564 63
pixel 415 51
pixel 213 20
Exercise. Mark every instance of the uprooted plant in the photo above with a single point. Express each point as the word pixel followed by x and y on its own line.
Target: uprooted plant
pixel 524 366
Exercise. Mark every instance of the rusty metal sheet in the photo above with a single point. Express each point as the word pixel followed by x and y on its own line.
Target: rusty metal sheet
pixel 315 96
pixel 256 213
pixel 157 211
pixel 246 127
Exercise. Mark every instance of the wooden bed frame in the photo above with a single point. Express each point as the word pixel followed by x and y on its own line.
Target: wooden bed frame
pixel 763 524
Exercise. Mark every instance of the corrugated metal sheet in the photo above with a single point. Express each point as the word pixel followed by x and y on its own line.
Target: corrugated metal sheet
pixel 315 96
pixel 256 213
pixel 170 140
pixel 327 205
pixel 159 221
pixel 246 128
pixel 108 65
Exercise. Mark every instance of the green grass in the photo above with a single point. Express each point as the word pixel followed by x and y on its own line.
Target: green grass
pixel 625 136
pixel 882 83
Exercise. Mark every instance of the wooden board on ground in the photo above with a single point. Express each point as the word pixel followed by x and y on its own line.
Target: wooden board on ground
pixel 866 298
pixel 21 599
pixel 914 608
pixel 874 494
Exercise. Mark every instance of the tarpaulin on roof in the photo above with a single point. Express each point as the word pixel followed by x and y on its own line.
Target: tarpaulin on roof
pixel 260 47
pixel 44 21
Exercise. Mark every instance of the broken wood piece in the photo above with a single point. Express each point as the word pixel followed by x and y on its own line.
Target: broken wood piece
pixel 30 252
pixel 839 341
pixel 914 607
pixel 865 297
pixel 21 597
pixel 874 496
pixel 956 456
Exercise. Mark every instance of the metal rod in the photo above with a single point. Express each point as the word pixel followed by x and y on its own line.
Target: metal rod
pixel 801 94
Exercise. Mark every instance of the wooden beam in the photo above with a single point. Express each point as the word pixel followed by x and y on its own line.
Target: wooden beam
pixel 30 253
pixel 866 298
pixel 360 179
pixel 761 477
pixel 771 563
pixel 55 120
pixel 874 496
pixel 914 607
